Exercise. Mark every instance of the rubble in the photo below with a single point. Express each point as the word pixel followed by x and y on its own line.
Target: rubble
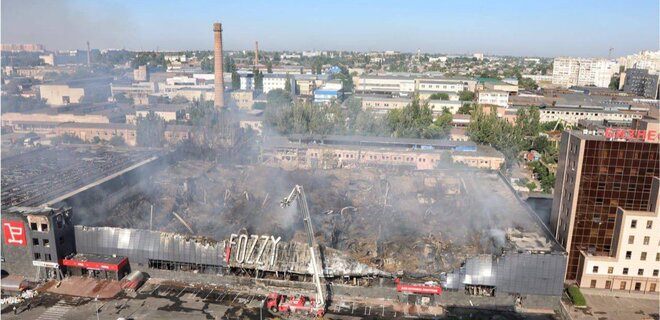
pixel 383 218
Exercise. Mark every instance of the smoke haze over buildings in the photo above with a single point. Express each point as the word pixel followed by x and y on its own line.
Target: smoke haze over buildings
pixel 537 28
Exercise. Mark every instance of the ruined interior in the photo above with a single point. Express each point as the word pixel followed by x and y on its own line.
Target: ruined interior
pixel 419 222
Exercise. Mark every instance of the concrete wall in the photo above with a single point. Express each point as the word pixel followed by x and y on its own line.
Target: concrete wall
pixel 56 95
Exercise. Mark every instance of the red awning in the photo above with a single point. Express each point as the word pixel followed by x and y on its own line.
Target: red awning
pixel 95 265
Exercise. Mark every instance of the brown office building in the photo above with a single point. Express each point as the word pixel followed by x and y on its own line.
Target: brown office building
pixel 597 175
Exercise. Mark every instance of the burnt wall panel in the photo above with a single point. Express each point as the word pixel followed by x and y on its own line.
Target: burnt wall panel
pixel 141 245
pixel 518 273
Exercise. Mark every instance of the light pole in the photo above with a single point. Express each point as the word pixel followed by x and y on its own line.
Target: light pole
pixel 96 304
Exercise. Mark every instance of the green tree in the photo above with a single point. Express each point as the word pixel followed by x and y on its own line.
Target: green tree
pixel 121 98
pixel 150 130
pixel 414 121
pixel 439 96
pixel 269 67
pixel 287 84
pixel 117 141
pixel 235 80
pixel 487 128
pixel 527 84
pixel 179 99
pixel 466 108
pixel 258 80
pixel 466 95
pixel 614 81
pixel 66 138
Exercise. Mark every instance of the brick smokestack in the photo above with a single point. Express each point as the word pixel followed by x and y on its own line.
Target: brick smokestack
pixel 219 99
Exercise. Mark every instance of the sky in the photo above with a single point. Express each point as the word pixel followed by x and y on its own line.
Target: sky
pixel 587 28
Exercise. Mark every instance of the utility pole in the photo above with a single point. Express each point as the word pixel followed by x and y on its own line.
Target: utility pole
pixel 151 218
pixel 89 56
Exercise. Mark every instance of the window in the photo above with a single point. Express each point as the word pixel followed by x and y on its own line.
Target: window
pixel 640 272
pixel 633 224
pixel 647 239
pixel 46 243
pixel 628 255
pixel 37 256
pixel 652 287
pixel 599 201
pixel 595 269
pixel 35 241
pixel 610 270
pixel 649 224
pixel 33 226
pixel 616 186
pixel 601 186
pixel 638 286
pixel 643 256
pixel 631 188
pixel 622 286
pixel 625 270
pixel 593 283
pixel 657 256
pixel 44 227
pixel 655 272
pixel 631 239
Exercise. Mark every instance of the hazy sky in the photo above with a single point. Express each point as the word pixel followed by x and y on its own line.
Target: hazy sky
pixel 503 27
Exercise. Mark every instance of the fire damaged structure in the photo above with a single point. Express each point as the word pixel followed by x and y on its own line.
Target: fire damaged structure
pixel 326 152
pixel 527 267
pixel 69 174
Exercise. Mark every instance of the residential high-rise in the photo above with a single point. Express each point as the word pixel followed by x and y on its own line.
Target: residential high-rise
pixel 597 175
pixel 641 82
pixel 567 72
pixel 219 96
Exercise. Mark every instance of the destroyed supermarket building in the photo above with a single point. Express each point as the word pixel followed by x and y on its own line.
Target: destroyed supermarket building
pixel 45 243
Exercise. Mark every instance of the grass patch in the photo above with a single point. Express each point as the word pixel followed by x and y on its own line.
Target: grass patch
pixel 576 296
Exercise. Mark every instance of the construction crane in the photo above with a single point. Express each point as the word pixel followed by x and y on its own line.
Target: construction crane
pixel 276 302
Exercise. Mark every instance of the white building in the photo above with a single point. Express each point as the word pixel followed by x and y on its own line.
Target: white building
pixel 571 115
pixel 247 82
pixel 407 84
pixel 649 60
pixel 274 81
pixel 438 106
pixel 634 263
pixel 567 72
pixel 538 77
pixel 479 56
pixel 496 98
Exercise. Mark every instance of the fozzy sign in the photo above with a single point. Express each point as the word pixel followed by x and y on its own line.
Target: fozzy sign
pixel 259 250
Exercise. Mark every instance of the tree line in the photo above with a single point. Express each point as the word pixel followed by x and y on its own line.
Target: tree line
pixel 348 118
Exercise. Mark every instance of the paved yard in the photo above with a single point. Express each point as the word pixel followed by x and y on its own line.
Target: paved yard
pixel 604 307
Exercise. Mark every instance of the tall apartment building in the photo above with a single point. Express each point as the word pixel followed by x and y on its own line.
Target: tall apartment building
pixel 596 176
pixel 649 60
pixel 641 82
pixel 567 72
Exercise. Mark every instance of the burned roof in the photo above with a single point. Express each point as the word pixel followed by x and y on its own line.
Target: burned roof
pixel 45 174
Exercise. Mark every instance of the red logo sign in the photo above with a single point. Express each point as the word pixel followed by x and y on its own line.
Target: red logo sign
pixel 14 233
pixel 631 134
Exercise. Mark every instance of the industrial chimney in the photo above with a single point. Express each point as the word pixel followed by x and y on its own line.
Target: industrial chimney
pixel 89 56
pixel 256 54
pixel 219 99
